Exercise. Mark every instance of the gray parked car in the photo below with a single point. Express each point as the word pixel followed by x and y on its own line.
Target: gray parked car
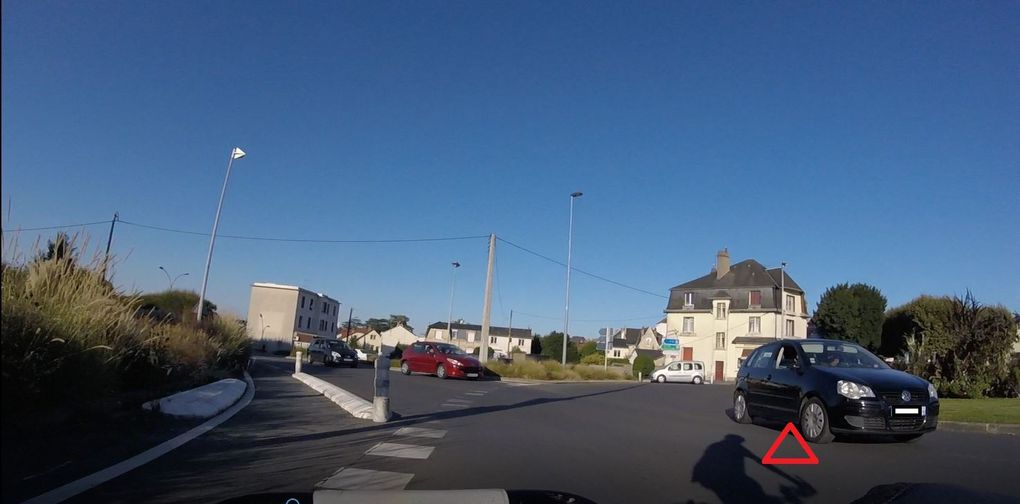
pixel 331 352
pixel 681 372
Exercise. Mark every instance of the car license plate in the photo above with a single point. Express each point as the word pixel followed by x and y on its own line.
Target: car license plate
pixel 906 411
pixel 472 375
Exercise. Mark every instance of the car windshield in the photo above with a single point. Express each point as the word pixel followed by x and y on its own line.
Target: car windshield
pixel 451 349
pixel 841 355
pixel 338 345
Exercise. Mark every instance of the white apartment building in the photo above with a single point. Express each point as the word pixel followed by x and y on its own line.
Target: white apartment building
pixel 721 317
pixel 283 315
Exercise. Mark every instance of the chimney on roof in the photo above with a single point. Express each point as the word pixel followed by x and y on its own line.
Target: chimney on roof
pixel 722 263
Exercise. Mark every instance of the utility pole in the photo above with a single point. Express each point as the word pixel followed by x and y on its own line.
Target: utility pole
pixel 605 348
pixel 350 317
pixel 453 286
pixel 483 352
pixel 510 334
pixel 782 296
pixel 236 153
pixel 570 249
pixel 109 241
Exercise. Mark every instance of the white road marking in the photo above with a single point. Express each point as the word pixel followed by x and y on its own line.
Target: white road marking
pixel 464 401
pixel 401 451
pixel 420 432
pixel 455 405
pixel 474 393
pixel 350 478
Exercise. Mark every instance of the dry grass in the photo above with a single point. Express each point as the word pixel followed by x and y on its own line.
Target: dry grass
pixel 69 336
pixel 549 370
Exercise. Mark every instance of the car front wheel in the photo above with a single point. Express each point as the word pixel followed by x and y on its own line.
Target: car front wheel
pixel 698 380
pixel 441 372
pixel 814 422
pixel 661 379
pixel 404 368
pixel 740 413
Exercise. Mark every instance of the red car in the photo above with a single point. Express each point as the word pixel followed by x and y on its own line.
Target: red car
pixel 441 359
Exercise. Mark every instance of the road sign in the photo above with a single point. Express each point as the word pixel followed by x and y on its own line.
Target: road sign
pixel 810 459
pixel 670 344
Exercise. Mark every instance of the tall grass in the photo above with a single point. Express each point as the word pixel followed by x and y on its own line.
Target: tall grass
pixel 551 370
pixel 70 338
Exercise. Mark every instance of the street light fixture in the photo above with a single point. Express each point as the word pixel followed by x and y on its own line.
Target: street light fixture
pixel 570 250
pixel 265 326
pixel 172 280
pixel 453 284
pixel 236 153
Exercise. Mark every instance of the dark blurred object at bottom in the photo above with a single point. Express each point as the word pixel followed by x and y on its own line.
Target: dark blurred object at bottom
pixel 927 493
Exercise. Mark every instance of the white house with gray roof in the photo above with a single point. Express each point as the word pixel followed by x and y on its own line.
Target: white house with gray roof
pixel 719 318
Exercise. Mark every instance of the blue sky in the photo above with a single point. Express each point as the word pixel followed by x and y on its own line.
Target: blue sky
pixel 869 142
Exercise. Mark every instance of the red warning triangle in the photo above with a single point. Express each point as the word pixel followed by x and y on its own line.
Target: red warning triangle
pixel 811 458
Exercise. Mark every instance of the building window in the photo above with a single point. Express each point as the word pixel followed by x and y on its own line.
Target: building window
pixel 754 325
pixel 492 340
pixel 790 304
pixel 335 308
pixel 688 324
pixel 688 299
pixel 755 298
pixel 720 311
pixel 300 321
pixel 720 341
pixel 455 333
pixel 302 302
pixel 520 342
pixel 789 329
pixel 616 353
pixel 308 323
pixel 471 336
pixel 439 334
pixel 311 304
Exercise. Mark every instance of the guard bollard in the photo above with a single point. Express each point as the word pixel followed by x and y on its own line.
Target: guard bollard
pixel 297 362
pixel 381 401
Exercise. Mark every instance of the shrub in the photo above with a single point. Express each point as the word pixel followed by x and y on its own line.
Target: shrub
pixel 594 358
pixel 552 370
pixel 644 364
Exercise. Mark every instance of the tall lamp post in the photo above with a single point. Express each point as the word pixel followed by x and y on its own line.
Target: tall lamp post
pixel 453 285
pixel 264 327
pixel 570 251
pixel 172 280
pixel 782 297
pixel 237 153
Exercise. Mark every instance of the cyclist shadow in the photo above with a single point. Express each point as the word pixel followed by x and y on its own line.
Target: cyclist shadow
pixel 721 470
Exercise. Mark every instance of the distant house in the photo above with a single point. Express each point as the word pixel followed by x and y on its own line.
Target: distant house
pixel 577 340
pixel 721 317
pixel 469 337
pixel 359 337
pixel 624 342
pixel 399 335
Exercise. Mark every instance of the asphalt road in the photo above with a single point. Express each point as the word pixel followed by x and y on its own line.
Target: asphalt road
pixel 612 443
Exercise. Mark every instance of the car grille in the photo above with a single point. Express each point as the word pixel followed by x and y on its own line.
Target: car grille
pixel 471 369
pixel 874 423
pixel 905 424
pixel 917 396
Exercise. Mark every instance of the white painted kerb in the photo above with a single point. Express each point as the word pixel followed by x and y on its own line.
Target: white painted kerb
pixel 356 406
pixel 200 402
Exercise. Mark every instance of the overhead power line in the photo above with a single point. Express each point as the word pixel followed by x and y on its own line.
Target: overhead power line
pixel 302 240
pixel 65 226
pixel 581 271
pixel 590 320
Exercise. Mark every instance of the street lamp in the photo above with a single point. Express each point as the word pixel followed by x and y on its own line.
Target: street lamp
pixel 453 284
pixel 262 339
pixel 172 280
pixel 237 153
pixel 570 250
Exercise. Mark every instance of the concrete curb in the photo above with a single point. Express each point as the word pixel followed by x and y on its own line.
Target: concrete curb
pixel 95 479
pixel 356 406
pixel 205 401
pixel 986 428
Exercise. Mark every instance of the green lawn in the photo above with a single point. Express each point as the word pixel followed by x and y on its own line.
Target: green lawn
pixel 1002 411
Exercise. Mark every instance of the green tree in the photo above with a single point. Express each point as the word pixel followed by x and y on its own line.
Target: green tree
pixel 60 248
pixel 552 347
pixel 587 349
pixel 644 364
pixel 852 313
pixel 398 320
pixel 956 343
pixel 536 345
pixel 378 324
pixel 596 358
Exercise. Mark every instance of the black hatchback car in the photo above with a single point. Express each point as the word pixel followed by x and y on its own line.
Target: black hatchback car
pixel 833 387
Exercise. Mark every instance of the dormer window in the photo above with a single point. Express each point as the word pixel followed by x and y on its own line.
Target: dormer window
pixel 688 300
pixel 755 298
pixel 720 311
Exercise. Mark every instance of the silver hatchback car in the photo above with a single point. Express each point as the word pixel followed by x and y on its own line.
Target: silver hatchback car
pixel 680 372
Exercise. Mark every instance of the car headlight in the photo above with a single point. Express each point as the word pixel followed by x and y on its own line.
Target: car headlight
pixel 455 362
pixel 933 392
pixel 853 390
